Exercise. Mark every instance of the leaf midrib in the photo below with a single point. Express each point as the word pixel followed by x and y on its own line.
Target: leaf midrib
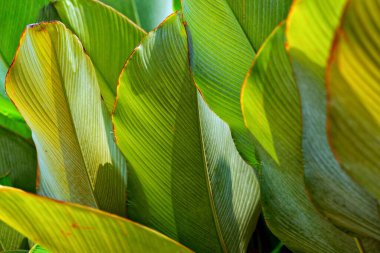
pixel 70 113
pixel 207 177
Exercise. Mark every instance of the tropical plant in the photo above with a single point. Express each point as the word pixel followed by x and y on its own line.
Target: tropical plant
pixel 176 140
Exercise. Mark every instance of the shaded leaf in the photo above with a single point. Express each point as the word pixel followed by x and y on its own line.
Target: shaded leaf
pixel 54 85
pixel 153 12
pixel 354 94
pixel 107 36
pixel 310 29
pixel 10 239
pixel 126 7
pixel 224 37
pixel 186 178
pixel 62 227
pixel 272 110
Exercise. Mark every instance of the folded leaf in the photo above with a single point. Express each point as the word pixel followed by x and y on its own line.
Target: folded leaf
pixel 54 85
pixel 61 227
pixel 354 94
pixel 272 110
pixel 107 36
pixel 186 178
pixel 224 37
pixel 310 30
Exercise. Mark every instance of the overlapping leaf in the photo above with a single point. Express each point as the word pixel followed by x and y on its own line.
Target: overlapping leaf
pixel 26 12
pixel 126 7
pixel 54 85
pixel 10 239
pixel 107 36
pixel 311 26
pixel 354 93
pixel 186 178
pixel 272 111
pixel 61 227
pixel 224 37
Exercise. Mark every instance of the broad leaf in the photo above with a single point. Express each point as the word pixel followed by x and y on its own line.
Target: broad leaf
pixel 224 37
pixel 14 16
pixel 54 85
pixel 107 36
pixel 10 239
pixel 126 7
pixel 310 29
pixel 18 160
pixel 186 177
pixel 61 227
pixel 272 110
pixel 153 12
pixel 354 94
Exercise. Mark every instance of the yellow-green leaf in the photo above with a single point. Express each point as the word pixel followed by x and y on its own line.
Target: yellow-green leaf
pixel 224 36
pixel 186 178
pixel 61 227
pixel 54 85
pixel 310 30
pixel 272 111
pixel 107 36
pixel 354 94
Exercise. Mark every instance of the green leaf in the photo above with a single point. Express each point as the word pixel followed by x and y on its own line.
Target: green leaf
pixel 38 249
pixel 11 119
pixel 153 12
pixel 186 178
pixel 26 12
pixel 224 37
pixel 5 180
pixel 272 110
pixel 126 7
pixel 177 5
pixel 18 160
pixel 107 36
pixel 354 94
pixel 53 83
pixel 62 227
pixel 310 30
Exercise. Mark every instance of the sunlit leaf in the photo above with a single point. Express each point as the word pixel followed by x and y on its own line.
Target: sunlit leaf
pixel 224 37
pixel 107 36
pixel 54 85
pixel 354 94
pixel 61 227
pixel 186 178
pixel 272 110
pixel 310 30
